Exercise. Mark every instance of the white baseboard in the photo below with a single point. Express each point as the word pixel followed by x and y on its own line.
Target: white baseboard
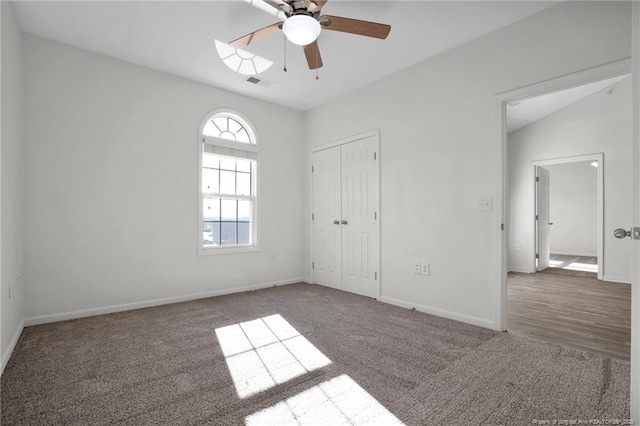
pixel 572 253
pixel 149 303
pixel 520 269
pixel 614 279
pixel 12 344
pixel 480 322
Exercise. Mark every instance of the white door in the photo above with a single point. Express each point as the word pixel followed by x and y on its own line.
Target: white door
pixel 345 228
pixel 359 216
pixel 327 238
pixel 543 249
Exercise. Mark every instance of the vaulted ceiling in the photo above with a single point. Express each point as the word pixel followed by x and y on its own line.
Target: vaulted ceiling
pixel 179 38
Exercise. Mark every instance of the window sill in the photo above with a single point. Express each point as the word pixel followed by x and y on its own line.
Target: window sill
pixel 226 250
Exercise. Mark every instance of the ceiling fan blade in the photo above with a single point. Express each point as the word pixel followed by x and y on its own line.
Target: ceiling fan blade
pixel 312 53
pixel 256 35
pixel 355 26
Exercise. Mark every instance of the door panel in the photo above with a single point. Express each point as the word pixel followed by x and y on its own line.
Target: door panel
pixel 359 203
pixel 542 224
pixel 327 242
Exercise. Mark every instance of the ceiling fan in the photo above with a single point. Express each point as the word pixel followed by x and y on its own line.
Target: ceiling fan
pixel 303 25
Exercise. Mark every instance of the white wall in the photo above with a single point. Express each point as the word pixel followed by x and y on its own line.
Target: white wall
pixel 111 187
pixel 12 178
pixel 573 206
pixel 598 123
pixel 441 149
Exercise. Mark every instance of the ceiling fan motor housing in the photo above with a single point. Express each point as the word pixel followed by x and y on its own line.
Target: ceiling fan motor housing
pixel 301 8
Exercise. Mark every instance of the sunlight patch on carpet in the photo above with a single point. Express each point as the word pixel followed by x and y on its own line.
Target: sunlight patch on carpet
pixel 265 352
pixel 339 401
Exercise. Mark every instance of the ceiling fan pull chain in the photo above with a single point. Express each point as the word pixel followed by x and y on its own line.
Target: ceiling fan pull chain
pixel 285 51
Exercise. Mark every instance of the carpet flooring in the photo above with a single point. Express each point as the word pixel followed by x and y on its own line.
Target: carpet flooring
pixel 299 354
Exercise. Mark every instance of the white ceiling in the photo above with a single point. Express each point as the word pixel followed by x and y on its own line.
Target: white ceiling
pixel 178 37
pixel 524 112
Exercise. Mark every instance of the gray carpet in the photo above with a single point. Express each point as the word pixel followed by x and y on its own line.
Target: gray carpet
pixel 165 365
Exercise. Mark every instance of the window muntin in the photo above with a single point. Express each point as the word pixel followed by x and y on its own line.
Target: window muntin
pixel 228 126
pixel 227 187
pixel 227 183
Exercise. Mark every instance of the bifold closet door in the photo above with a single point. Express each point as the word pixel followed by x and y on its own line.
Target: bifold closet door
pixel 327 238
pixel 345 228
pixel 359 217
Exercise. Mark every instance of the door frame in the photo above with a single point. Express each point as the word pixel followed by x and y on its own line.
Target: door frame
pixel 599 157
pixel 610 70
pixel 370 133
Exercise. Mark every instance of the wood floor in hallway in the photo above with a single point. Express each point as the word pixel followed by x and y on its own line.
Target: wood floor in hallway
pixel 576 312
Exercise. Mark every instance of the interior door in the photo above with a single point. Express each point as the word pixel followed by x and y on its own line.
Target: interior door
pixel 327 238
pixel 543 248
pixel 359 217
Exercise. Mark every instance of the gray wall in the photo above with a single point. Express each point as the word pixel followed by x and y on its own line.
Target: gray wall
pixel 112 186
pixel 12 177
pixel 441 149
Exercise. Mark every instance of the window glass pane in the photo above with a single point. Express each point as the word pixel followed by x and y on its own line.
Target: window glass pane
pixel 244 210
pixel 244 233
pixel 243 165
pixel 211 209
pixel 244 183
pixel 220 123
pixel 210 161
pixel 234 126
pixel 243 136
pixel 227 182
pixel 228 235
pixel 228 163
pixel 210 180
pixel 211 234
pixel 210 129
pixel 229 210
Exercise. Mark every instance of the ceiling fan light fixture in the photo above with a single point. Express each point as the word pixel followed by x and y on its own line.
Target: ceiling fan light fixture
pixel 301 29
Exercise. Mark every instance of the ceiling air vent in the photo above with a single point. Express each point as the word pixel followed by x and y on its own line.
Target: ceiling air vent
pixel 258 81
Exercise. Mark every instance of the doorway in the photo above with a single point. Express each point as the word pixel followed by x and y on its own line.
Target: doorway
pixel 569 215
pixel 572 311
pixel 345 215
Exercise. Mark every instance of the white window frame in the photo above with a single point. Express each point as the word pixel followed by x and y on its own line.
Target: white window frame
pixel 228 148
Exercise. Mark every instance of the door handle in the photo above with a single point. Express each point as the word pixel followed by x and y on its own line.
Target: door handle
pixel 621 233
pixel 336 222
pixel 344 222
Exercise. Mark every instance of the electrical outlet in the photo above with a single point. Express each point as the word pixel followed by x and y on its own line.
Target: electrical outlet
pixel 417 268
pixel 426 269
pixel 517 247
pixel 271 256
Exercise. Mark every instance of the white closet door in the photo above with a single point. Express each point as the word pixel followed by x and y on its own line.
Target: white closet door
pixel 327 239
pixel 359 217
pixel 542 213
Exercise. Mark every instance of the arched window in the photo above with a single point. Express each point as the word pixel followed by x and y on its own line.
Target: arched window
pixel 228 167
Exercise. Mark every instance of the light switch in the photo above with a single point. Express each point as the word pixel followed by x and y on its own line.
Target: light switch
pixel 485 204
